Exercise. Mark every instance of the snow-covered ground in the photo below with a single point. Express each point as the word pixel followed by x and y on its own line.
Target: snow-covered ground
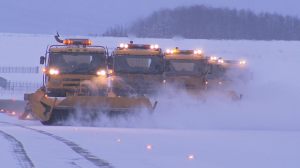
pixel 262 130
pixel 148 148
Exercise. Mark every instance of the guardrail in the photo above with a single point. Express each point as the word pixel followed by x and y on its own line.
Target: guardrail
pixel 8 69
pixel 18 86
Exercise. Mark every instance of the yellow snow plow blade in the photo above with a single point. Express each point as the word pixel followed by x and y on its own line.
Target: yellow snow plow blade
pixel 46 109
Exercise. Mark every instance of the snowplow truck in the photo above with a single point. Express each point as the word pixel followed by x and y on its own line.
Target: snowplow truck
pixel 137 67
pixel 224 74
pixel 76 78
pixel 185 69
pixel 237 71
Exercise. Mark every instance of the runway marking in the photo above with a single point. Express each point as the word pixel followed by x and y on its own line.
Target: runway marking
pixel 18 150
pixel 73 146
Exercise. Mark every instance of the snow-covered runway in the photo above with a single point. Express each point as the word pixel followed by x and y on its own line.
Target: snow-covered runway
pixel 135 147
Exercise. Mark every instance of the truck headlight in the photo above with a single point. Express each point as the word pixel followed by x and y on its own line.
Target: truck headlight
pixel 242 62
pixel 53 71
pixel 101 72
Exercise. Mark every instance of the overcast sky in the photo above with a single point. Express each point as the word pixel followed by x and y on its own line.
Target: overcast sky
pixel 94 16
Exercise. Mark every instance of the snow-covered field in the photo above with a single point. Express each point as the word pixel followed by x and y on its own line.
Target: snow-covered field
pixel 262 130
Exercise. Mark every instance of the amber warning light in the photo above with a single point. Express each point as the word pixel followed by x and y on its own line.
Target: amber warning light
pixel 77 42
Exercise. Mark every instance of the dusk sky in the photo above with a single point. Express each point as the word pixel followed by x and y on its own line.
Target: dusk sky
pixel 82 16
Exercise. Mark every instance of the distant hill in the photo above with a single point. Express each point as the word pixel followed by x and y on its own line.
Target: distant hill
pixel 202 22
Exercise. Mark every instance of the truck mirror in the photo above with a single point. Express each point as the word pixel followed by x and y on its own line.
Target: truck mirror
pixel 42 60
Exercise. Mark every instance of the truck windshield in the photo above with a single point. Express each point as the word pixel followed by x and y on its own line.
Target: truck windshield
pixel 138 64
pixel 185 67
pixel 74 63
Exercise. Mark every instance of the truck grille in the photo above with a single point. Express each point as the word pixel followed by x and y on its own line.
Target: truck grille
pixel 71 85
pixel 71 80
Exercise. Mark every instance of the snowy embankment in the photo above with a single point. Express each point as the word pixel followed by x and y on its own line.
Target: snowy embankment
pixel 262 130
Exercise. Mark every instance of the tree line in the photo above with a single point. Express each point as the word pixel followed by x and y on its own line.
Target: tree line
pixel 202 22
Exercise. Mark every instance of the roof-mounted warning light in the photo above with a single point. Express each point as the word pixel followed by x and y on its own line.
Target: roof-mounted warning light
pixel 213 58
pixel 198 52
pixel 77 42
pixel 131 45
pixel 184 52
pixel 240 63
pixel 173 51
